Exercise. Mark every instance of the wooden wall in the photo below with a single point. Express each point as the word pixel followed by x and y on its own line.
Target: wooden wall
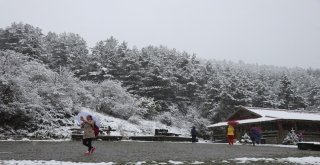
pixel 274 131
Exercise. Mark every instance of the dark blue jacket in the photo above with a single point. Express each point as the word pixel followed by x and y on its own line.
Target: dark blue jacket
pixel 255 133
pixel 193 132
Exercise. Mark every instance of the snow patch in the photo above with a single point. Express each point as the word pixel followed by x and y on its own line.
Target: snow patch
pixel 302 160
pixel 224 161
pixel 197 162
pixel 296 160
pixel 278 145
pixel 141 162
pixel 175 162
pixel 246 160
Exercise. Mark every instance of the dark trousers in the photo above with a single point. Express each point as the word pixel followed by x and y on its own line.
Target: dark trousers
pixel 194 139
pixel 255 140
pixel 88 143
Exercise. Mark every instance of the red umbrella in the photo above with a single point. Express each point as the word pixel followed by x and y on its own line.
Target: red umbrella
pixel 233 123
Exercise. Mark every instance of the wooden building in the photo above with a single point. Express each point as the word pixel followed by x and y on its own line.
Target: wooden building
pixel 275 124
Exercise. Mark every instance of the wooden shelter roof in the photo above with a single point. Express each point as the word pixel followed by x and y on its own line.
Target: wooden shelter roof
pixel 256 115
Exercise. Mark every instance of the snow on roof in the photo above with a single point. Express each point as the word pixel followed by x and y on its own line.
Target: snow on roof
pixel 285 114
pixel 273 114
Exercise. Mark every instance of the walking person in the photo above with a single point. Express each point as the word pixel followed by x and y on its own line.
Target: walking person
pixel 230 134
pixel 255 135
pixel 194 134
pixel 88 135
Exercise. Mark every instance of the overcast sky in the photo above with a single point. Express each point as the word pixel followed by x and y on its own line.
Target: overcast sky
pixel 277 32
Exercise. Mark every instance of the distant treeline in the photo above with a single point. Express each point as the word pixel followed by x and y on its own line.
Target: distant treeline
pixel 161 83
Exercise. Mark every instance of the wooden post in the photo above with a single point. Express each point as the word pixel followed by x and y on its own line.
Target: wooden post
pixel 280 132
pixel 295 126
pixel 238 132
pixel 212 135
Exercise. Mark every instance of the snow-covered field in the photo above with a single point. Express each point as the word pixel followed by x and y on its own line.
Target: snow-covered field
pixel 296 160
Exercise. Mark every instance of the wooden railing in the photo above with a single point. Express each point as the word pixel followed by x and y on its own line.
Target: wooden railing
pixel 270 134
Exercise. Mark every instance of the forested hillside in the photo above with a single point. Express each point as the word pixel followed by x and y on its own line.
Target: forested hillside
pixel 46 78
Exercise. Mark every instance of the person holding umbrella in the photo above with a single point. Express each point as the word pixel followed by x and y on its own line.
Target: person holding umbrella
pixel 255 135
pixel 231 131
pixel 87 125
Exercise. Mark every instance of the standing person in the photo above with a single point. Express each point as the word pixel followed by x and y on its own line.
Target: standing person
pixel 194 134
pixel 230 134
pixel 88 135
pixel 255 135
pixel 109 130
pixel 300 136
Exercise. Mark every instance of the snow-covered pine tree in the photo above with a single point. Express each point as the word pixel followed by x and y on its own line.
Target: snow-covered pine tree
pixel 22 38
pixel 66 50
pixel 286 93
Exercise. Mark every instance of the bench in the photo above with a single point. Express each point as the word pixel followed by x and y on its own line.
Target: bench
pixel 162 138
pixel 164 132
pixel 101 137
pixel 315 146
pixel 76 132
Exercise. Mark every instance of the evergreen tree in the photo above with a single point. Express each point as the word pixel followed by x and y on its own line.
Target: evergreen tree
pixel 260 97
pixel 22 38
pixel 66 50
pixel 286 93
pixel 314 96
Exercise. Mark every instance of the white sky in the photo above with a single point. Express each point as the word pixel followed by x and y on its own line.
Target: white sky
pixel 277 32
